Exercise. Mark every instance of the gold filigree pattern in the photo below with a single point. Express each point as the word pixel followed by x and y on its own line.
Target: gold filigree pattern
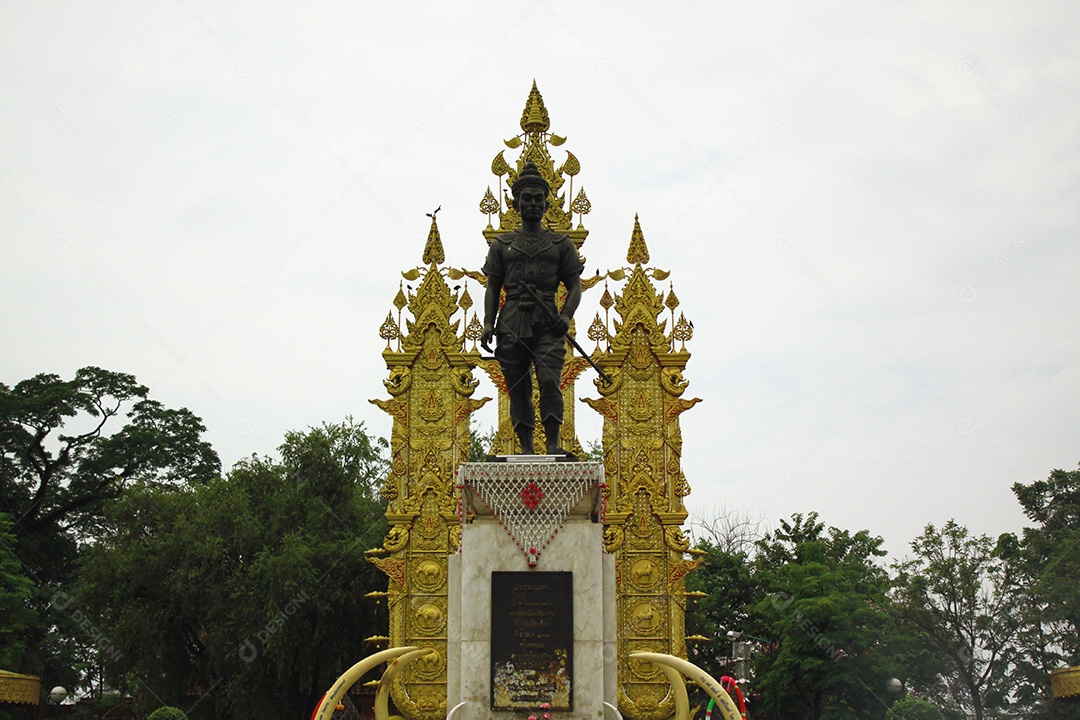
pixel 683 331
pixel 1065 682
pixel 642 444
pixel 597 331
pixel 474 330
pixel 433 250
pixel 388 330
pixel 637 253
pixel 488 204
pixel 535 141
pixel 431 386
pixel 581 206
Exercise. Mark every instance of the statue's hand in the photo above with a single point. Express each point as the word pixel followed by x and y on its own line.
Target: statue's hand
pixel 487 336
pixel 562 324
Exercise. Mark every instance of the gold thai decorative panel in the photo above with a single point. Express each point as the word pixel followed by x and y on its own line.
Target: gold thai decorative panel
pixel 431 386
pixel 642 460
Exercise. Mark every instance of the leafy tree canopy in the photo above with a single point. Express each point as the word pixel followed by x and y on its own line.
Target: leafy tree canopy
pixel 960 594
pixel 1051 552
pixel 69 446
pixel 16 589
pixel 726 578
pixel 913 708
pixel 823 617
pixel 1047 557
pixel 244 596
pixel 167 712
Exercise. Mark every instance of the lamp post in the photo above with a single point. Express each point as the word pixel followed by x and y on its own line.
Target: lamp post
pixel 739 654
pixel 57 695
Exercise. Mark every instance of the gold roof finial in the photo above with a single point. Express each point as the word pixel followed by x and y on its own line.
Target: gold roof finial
pixel 488 204
pixel 637 253
pixel 535 117
pixel 433 250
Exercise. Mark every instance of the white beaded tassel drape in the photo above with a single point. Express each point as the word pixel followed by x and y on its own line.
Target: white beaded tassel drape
pixel 530 500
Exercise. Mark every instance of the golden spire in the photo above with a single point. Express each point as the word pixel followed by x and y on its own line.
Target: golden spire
pixel 535 143
pixel 637 253
pixel 433 251
pixel 535 117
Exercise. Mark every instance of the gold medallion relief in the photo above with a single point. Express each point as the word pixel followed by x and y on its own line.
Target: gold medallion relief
pixel 428 575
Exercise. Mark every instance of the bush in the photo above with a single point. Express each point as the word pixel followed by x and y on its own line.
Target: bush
pixel 167 712
pixel 913 708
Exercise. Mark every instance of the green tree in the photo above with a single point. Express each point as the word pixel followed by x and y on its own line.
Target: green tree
pixel 480 442
pixel 16 589
pixel 913 708
pixel 594 451
pixel 727 543
pixel 68 447
pixel 822 614
pixel 961 594
pixel 168 712
pixel 244 596
pixel 1048 557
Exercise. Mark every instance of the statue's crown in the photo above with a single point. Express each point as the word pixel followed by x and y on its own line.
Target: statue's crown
pixel 530 177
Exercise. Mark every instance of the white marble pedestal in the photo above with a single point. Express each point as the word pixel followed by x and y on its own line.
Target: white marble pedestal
pixel 486 547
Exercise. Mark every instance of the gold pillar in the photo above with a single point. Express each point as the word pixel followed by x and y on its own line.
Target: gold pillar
pixel 642 459
pixel 431 387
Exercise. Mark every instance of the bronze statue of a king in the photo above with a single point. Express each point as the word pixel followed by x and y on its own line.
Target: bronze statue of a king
pixel 530 262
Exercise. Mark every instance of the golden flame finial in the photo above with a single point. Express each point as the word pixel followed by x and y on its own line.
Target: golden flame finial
pixel 535 144
pixel 433 250
pixel 535 117
pixel 637 253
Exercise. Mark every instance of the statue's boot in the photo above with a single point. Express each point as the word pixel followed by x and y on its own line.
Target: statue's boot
pixel 525 436
pixel 551 430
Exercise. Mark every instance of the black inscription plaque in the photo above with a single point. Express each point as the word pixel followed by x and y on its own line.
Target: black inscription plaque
pixel 532 640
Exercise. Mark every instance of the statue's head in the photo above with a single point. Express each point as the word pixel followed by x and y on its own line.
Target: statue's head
pixel 530 191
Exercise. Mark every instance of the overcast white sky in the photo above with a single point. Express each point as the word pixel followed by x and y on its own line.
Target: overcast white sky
pixel 869 211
